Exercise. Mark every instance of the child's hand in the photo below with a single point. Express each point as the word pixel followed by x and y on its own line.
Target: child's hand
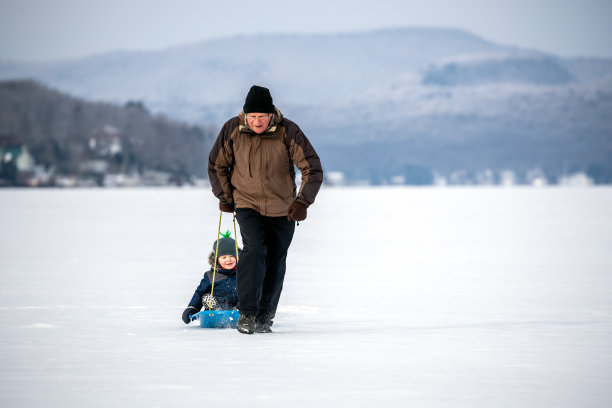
pixel 189 311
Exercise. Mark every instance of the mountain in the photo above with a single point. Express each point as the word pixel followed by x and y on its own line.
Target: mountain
pixel 302 68
pixel 404 104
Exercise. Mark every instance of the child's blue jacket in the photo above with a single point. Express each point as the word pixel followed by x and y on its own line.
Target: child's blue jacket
pixel 225 291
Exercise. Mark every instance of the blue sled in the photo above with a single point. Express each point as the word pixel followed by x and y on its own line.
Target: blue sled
pixel 221 319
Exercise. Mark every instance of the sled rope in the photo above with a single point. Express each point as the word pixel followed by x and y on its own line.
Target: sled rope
pixel 236 238
pixel 212 284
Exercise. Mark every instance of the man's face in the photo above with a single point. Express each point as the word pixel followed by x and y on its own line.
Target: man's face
pixel 258 122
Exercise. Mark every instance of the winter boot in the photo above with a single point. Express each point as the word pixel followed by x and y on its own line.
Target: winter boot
pixel 246 324
pixel 263 326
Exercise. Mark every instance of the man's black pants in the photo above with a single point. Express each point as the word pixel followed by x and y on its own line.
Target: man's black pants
pixel 262 264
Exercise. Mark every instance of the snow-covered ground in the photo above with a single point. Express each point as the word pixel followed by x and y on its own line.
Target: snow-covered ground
pixel 394 297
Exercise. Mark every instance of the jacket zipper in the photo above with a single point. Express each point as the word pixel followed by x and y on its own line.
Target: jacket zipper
pixel 264 176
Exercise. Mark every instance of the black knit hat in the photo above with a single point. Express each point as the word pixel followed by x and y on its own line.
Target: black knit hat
pixel 227 246
pixel 258 100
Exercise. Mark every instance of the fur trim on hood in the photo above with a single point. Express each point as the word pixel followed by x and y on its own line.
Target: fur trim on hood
pixel 276 118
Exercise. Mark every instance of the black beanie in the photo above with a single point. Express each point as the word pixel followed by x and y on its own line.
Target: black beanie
pixel 258 100
pixel 227 246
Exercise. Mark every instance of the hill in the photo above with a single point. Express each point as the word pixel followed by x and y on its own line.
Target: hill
pixel 408 104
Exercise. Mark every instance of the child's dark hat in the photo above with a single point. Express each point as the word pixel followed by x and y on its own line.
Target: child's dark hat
pixel 227 246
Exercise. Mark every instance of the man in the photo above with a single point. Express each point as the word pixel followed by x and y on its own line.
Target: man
pixel 251 171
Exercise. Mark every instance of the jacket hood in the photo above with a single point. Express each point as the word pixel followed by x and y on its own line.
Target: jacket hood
pixel 276 119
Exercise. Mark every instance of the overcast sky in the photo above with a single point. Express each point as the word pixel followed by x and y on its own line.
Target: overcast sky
pixel 60 29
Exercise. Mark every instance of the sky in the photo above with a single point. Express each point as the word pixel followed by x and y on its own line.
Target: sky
pixel 42 30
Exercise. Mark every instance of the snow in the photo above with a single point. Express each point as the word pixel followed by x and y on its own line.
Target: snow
pixel 395 297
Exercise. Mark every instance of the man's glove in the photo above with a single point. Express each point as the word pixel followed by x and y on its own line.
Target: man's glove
pixel 226 207
pixel 189 311
pixel 297 211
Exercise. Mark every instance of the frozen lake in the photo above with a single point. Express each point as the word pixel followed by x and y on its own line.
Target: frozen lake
pixel 394 297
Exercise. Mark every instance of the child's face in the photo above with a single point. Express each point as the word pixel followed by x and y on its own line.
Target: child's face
pixel 227 261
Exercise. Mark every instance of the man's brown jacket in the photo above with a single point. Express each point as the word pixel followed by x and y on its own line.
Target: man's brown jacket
pixel 256 171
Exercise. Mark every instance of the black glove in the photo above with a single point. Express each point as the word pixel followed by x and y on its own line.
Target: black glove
pixel 189 311
pixel 297 211
pixel 226 207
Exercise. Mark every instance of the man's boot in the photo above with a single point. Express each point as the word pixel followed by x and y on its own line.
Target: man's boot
pixel 263 326
pixel 246 324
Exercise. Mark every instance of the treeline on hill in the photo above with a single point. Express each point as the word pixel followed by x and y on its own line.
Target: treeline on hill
pixel 79 138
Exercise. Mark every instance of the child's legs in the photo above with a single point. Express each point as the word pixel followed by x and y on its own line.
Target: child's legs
pixel 209 302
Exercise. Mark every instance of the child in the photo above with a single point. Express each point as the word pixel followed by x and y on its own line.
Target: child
pixel 225 295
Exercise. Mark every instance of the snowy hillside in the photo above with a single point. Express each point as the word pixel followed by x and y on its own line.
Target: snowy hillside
pixel 303 69
pixel 462 298
pixel 450 101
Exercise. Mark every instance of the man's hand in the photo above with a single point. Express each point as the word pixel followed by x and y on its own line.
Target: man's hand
pixel 297 211
pixel 226 207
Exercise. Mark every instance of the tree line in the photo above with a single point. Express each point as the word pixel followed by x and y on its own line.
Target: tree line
pixel 62 132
